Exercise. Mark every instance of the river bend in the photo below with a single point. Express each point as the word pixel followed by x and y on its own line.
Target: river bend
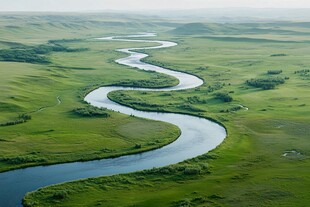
pixel 198 135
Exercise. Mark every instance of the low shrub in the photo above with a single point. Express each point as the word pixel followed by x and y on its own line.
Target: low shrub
pixel 278 55
pixel 60 195
pixel 232 109
pixel 23 159
pixel 19 120
pixel 305 73
pixel 183 203
pixel 192 170
pixel 216 86
pixel 223 97
pixel 265 83
pixel 158 80
pixel 138 146
pixel 91 111
pixel 34 54
pixel 196 99
pixel 28 56
pixel 274 72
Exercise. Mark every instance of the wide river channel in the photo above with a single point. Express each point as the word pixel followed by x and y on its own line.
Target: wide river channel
pixel 198 135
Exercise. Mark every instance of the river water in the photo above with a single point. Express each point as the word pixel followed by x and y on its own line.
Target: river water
pixel 198 136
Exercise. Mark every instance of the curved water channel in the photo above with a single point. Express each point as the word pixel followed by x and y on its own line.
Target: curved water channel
pixel 198 136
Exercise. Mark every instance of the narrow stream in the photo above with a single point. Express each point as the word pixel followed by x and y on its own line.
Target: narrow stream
pixel 198 136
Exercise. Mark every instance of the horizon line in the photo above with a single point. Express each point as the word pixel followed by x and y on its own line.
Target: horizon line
pixel 154 10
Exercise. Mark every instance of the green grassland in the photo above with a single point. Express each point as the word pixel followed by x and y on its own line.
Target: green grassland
pixel 50 92
pixel 247 169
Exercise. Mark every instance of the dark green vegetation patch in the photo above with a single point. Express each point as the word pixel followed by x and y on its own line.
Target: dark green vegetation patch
pixel 223 97
pixel 33 54
pixel 19 120
pixel 91 111
pixel 274 72
pixel 17 55
pixel 278 55
pixel 265 83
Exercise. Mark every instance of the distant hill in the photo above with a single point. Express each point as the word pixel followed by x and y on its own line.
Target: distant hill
pixel 206 29
pixel 241 28
pixel 193 28
pixel 236 15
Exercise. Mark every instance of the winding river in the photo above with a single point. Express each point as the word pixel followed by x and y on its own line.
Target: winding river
pixel 198 136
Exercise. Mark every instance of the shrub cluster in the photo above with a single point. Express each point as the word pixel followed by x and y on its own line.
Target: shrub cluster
pixel 223 97
pixel 265 83
pixel 232 109
pixel 61 41
pixel 45 49
pixel 20 119
pixel 132 102
pixel 278 55
pixel 186 169
pixel 58 195
pixel 183 203
pixel 91 111
pixel 216 86
pixel 274 72
pixel 304 72
pixel 202 68
pixel 28 56
pixel 192 170
pixel 33 54
pixel 158 80
pixel 23 159
pixel 138 146
pixel 196 99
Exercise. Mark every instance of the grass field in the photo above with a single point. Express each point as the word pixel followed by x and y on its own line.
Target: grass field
pixel 248 169
pixel 55 133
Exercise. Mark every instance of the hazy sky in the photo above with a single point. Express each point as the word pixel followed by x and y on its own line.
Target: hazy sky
pixel 86 5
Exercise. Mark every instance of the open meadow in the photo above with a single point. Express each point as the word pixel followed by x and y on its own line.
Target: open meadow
pixel 256 84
